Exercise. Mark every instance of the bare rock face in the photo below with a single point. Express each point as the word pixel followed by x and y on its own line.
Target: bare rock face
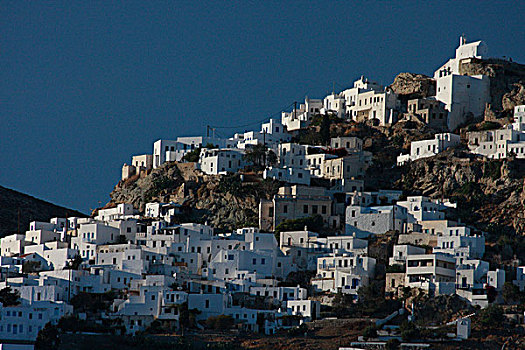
pixel 507 81
pixel 410 85
pixel 141 190
pixel 514 98
pixel 225 202
pixel 489 193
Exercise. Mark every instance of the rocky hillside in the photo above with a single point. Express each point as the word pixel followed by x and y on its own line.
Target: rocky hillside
pixel 30 208
pixel 487 191
pixel 225 202
pixel 507 82
pixel 490 193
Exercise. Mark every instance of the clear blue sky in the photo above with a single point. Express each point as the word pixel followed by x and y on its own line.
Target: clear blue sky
pixel 84 85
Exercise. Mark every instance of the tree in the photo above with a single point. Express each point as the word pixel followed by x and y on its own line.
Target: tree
pixel 9 297
pixel 301 278
pixel 75 263
pixel 193 156
pixel 408 331
pixel 325 129
pixel 491 293
pixel 47 338
pixel 300 330
pixel 491 316
pixel 369 293
pixel 30 266
pixel 155 328
pixel 511 293
pixel 392 344
pixel 256 155
pixel 271 158
pixel 187 317
pixel 370 332
pixel 92 302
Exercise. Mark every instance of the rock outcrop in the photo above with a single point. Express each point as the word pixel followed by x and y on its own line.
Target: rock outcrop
pixel 225 202
pixel 490 193
pixel 507 81
pixel 410 85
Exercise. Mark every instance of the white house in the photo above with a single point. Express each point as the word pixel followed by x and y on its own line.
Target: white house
pixel 13 244
pixel 24 321
pixel 428 271
pixel 421 208
pixel 91 235
pixel 290 175
pixel 301 117
pixel 120 211
pixel 402 251
pixel 503 142
pixel 175 150
pixel 462 94
pixel 375 105
pixel 309 309
pixel 520 278
pixel 364 221
pixel 218 161
pixel 349 143
pixel 343 272
pixel 360 86
pixel 429 148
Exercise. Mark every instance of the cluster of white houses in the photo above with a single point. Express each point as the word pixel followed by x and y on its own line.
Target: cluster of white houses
pixel 157 266
pixel 457 96
pixel 501 143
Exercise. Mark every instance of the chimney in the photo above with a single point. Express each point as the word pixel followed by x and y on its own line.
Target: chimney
pixel 462 40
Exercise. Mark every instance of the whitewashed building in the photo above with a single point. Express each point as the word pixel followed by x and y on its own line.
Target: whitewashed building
pixel 290 175
pixel 24 321
pixel 501 143
pixel 216 161
pixel 429 148
pixel 462 94
pixel 364 221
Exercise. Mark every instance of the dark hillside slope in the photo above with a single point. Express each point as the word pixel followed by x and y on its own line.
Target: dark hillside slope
pixel 31 209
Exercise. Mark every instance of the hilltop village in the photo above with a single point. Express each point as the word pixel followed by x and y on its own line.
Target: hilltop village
pixel 287 229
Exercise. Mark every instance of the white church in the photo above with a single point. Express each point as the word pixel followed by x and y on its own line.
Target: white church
pixel 462 94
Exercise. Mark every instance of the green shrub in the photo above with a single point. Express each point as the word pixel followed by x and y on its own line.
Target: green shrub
pixel 409 331
pixel 159 184
pixel 392 344
pixel 370 332
pixel 491 316
pixel 298 331
pixel 192 156
pixel 9 297
pixel 488 125
pixel 492 169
